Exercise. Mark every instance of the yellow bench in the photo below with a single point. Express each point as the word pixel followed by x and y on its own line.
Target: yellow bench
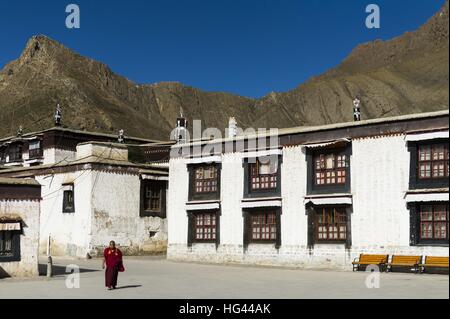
pixel 434 262
pixel 405 261
pixel 366 260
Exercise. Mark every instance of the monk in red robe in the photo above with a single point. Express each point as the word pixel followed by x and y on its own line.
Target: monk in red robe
pixel 113 262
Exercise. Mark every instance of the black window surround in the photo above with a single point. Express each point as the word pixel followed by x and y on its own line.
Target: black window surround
pixel 415 227
pixel 414 181
pixel 15 152
pixel 312 187
pixel 68 198
pixel 12 254
pixel 210 195
pixel 192 227
pixel 35 149
pixel 148 188
pixel 264 192
pixel 247 215
pixel 312 212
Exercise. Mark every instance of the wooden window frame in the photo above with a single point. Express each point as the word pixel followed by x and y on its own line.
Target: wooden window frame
pixel 313 155
pixel 37 152
pixel 249 192
pixel 254 174
pixel 320 161
pixel 67 193
pixel 432 161
pixel 415 181
pixel 325 212
pixel 15 152
pixel 15 246
pixel 433 222
pixel 199 224
pixel 211 195
pixel 252 214
pixel 145 201
pixel 205 183
pixel 192 227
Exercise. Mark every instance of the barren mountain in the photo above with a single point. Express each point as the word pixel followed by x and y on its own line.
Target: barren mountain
pixel 408 74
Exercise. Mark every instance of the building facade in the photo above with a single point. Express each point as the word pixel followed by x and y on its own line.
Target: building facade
pixel 19 227
pixel 317 197
pixel 94 190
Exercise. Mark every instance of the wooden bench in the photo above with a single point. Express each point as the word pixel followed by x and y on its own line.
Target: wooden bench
pixel 434 262
pixel 405 261
pixel 366 260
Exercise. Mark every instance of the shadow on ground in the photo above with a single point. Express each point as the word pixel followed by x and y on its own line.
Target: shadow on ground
pixel 61 270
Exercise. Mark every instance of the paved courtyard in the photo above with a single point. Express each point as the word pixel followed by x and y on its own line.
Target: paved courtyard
pixel 155 277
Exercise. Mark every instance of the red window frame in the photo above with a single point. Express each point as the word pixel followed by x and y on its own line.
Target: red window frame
pixel 260 181
pixel 205 226
pixel 202 184
pixel 434 222
pixel 433 161
pixel 334 175
pixel 263 226
pixel 331 224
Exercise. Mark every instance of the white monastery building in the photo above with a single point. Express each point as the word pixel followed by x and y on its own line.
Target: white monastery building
pixel 95 188
pixel 313 196
pixel 19 227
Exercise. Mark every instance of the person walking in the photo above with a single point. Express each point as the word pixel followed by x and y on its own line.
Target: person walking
pixel 113 263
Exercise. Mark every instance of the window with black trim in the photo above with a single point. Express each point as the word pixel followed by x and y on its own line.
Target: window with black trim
pixel 331 224
pixel 330 169
pixel 429 164
pixel 9 246
pixel 205 226
pixel 153 198
pixel 35 149
pixel 434 222
pixel 263 175
pixel 205 179
pixel 263 226
pixel 68 198
pixel 15 152
pixel 433 161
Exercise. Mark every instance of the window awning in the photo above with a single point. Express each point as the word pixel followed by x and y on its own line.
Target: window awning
pixel 417 197
pixel 202 205
pixel 155 177
pixel 260 203
pixel 204 159
pixel 426 136
pixel 344 199
pixel 10 226
pixel 262 153
pixel 335 143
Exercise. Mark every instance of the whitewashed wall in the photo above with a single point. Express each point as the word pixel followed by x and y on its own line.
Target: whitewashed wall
pixel 115 199
pixel 54 155
pixel 380 219
pixel 28 210
pixel 70 232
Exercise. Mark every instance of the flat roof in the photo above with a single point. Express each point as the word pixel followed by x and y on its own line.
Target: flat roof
pixel 18 181
pixel 64 129
pixel 309 129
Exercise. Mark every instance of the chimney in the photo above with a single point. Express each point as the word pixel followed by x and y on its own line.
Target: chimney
pixel 232 127
pixel 357 109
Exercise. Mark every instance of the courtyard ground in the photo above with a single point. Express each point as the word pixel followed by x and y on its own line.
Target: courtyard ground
pixel 155 277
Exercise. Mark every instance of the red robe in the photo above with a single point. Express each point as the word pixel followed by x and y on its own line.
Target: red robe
pixel 113 259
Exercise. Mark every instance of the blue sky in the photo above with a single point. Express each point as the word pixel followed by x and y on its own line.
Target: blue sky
pixel 246 47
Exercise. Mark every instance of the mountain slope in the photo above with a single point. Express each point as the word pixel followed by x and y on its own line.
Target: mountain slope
pixel 408 74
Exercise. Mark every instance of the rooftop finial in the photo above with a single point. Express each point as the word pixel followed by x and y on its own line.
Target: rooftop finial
pixel 121 137
pixel 181 111
pixel 357 109
pixel 20 131
pixel 58 115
